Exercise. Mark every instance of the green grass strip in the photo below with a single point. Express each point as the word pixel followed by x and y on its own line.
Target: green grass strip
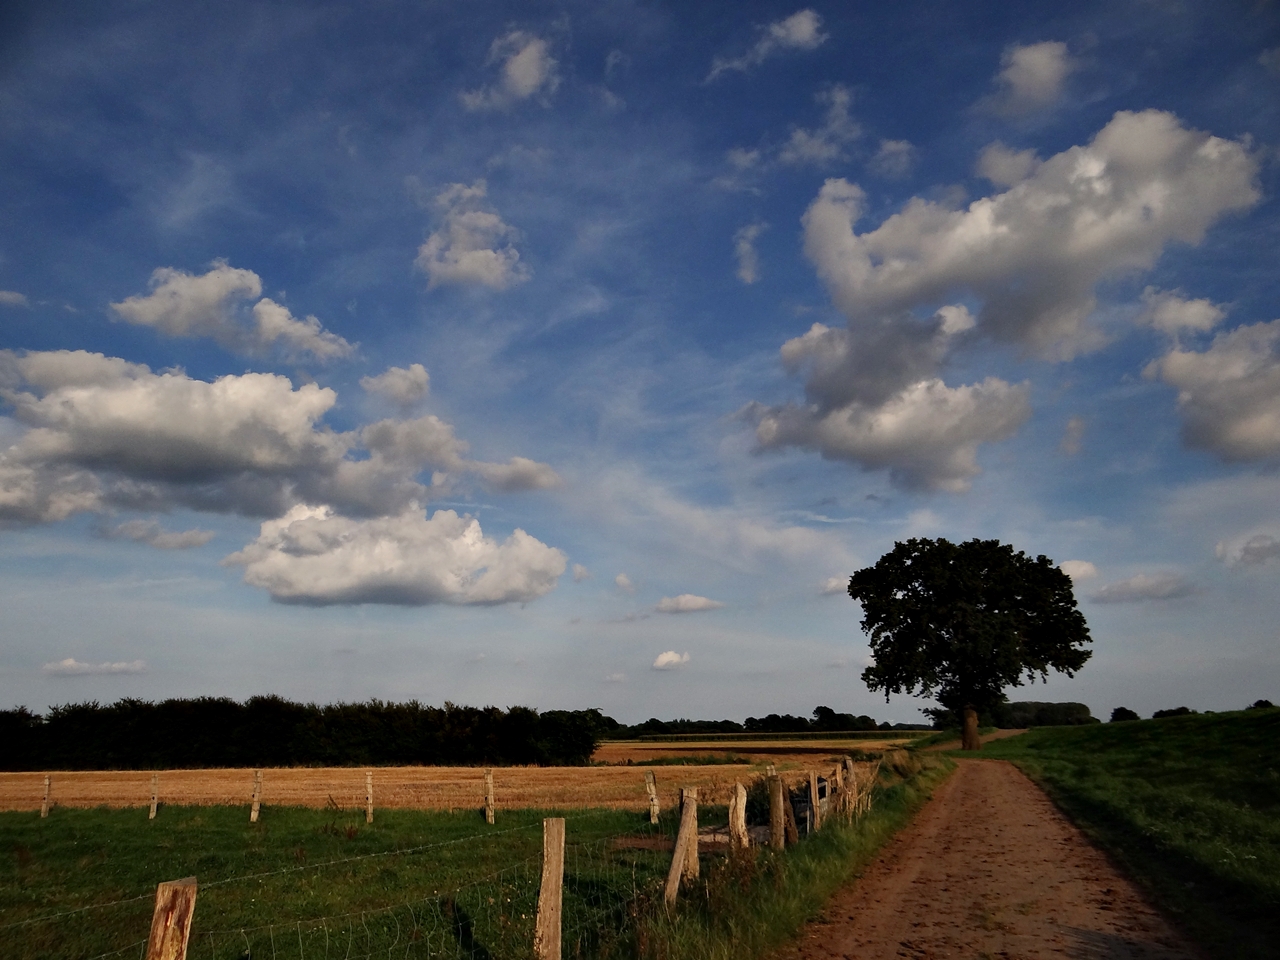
pixel 749 904
pixel 1188 806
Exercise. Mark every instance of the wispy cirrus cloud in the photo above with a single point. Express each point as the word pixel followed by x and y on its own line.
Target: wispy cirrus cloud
pixel 71 667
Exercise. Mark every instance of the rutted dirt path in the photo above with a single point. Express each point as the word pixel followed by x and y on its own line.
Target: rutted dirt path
pixel 989 869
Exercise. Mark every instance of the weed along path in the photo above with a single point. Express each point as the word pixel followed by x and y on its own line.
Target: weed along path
pixel 989 869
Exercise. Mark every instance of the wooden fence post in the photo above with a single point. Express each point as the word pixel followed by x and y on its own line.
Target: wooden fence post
pixel 488 796
pixel 546 937
pixel 368 796
pixel 738 818
pixel 777 829
pixel 651 786
pixel 257 796
pixel 171 920
pixel 155 795
pixel 789 818
pixel 815 802
pixel 44 805
pixel 684 861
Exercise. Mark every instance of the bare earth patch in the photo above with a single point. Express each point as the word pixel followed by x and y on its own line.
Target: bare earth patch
pixel 989 869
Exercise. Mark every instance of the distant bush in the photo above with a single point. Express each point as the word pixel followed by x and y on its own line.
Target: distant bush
pixel 1260 705
pixel 1175 712
pixel 272 731
pixel 1121 714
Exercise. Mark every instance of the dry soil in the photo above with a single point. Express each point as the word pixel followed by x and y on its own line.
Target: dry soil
pixel 989 869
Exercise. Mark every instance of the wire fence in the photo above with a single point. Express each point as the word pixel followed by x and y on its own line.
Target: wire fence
pixel 472 897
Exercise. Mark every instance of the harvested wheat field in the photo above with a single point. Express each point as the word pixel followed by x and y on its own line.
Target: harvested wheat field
pixel 426 788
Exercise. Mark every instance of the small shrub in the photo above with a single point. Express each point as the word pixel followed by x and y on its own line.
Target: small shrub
pixel 1260 705
pixel 1121 714
pixel 1175 712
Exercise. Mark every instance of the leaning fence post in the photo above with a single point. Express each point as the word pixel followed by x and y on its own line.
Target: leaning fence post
pixel 155 795
pixel 368 796
pixel 738 818
pixel 44 805
pixel 777 828
pixel 546 937
pixel 684 861
pixel 651 786
pixel 171 920
pixel 815 803
pixel 257 796
pixel 488 796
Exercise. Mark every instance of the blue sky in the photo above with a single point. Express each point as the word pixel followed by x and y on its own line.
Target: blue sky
pixel 570 354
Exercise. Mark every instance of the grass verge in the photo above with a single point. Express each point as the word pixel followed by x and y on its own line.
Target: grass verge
pixel 1189 806
pixel 749 904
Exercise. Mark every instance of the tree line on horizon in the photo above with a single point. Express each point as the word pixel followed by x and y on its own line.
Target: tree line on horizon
pixel 270 731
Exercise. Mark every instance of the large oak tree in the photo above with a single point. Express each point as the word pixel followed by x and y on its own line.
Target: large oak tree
pixel 961 622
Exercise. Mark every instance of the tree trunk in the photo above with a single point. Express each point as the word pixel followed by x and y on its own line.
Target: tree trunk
pixel 970 740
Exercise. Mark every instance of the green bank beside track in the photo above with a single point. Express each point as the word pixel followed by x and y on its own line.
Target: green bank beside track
pixel 1189 806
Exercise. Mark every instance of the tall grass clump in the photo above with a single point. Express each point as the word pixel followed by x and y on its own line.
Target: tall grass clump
pixel 752 901
pixel 1188 805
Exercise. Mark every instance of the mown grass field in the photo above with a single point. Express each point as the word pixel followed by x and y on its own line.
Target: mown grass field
pixel 1189 806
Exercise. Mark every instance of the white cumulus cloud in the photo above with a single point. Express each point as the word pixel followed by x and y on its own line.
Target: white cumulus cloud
pixel 1169 312
pixel 580 573
pixel 526 69
pixel 1078 570
pixel 1031 78
pixel 1142 586
pixel 403 386
pixel 1034 254
pixel 687 603
pixel 315 557
pixel 1229 394
pixel 181 304
pixel 800 31
pixel 473 245
pixel 1004 166
pixel 11 298
pixel 670 660
pixel 894 159
pixel 833 586
pixel 71 667
pixel 623 583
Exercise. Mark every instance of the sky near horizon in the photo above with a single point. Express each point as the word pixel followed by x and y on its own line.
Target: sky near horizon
pixel 573 355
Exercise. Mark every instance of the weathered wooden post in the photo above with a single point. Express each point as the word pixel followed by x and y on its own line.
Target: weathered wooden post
pixel 546 937
pixel 815 802
pixel 651 786
pixel 155 795
pixel 771 771
pixel 789 819
pixel 368 796
pixel 257 797
pixel 44 804
pixel 488 796
pixel 171 920
pixel 852 804
pixel 738 838
pixel 684 861
pixel 777 828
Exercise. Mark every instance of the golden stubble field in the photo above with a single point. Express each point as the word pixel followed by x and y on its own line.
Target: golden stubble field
pixel 616 785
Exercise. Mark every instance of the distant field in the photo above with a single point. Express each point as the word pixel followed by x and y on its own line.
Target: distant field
pixel 1190 805
pixel 419 788
pixel 786 753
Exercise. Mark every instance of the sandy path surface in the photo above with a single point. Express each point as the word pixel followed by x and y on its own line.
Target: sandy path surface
pixel 989 869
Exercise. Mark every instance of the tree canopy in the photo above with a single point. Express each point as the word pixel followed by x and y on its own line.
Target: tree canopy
pixel 961 622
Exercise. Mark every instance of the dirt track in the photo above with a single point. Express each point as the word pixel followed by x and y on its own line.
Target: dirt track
pixel 989 869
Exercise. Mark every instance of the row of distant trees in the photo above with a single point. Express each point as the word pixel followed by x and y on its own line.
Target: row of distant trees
pixel 823 720
pixel 271 731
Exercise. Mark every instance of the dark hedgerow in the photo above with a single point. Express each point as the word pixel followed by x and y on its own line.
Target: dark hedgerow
pixel 272 731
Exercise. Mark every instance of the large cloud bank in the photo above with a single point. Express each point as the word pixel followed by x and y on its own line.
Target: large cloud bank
pixel 1028 260
pixel 105 434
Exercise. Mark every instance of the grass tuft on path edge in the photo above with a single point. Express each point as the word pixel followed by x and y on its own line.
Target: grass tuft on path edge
pixel 753 902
